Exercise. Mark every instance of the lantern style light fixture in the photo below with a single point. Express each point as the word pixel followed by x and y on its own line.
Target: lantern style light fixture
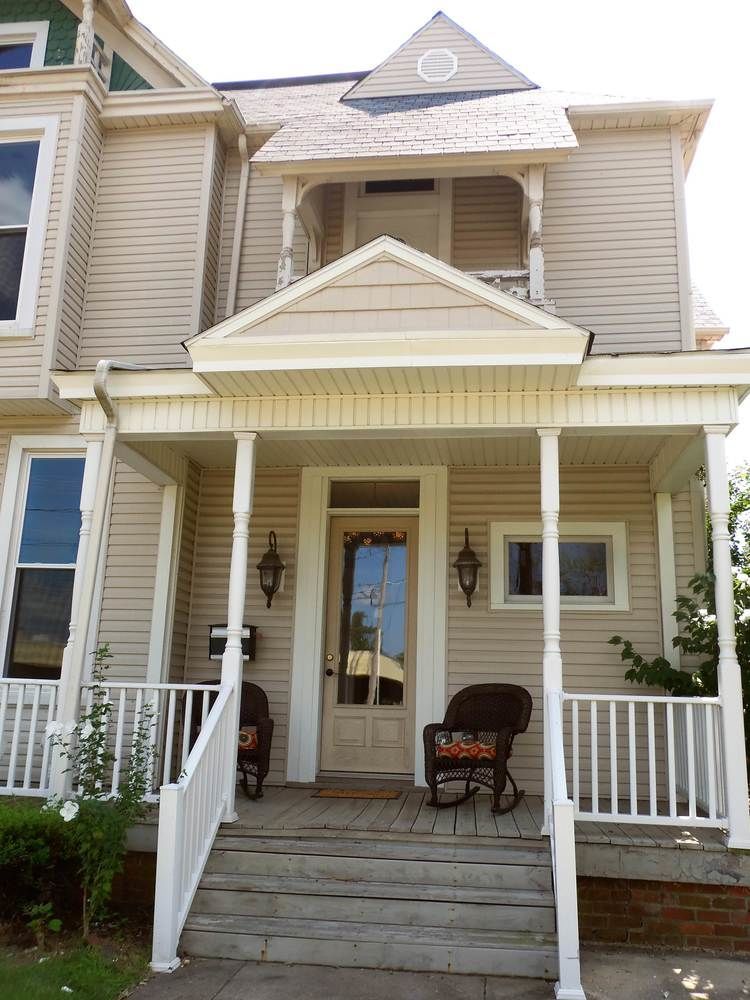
pixel 467 565
pixel 271 569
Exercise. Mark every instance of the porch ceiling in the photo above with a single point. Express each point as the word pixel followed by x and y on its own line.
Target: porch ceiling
pixel 450 451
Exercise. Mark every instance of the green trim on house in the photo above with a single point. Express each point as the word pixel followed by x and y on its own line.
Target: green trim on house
pixel 63 26
pixel 124 77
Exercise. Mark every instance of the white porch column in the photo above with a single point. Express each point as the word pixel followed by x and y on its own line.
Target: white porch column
pixel 288 221
pixel 85 36
pixel 231 661
pixel 551 657
pixel 94 499
pixel 536 253
pixel 730 687
pixel 667 575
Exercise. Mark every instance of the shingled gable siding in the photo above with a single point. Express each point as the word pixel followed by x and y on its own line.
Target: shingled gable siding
pixel 610 245
pixel 486 223
pixel 506 645
pixel 145 254
pixel 275 506
pixel 124 77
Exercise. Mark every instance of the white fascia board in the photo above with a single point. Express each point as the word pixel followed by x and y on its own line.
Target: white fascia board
pixel 130 385
pixel 653 107
pixel 456 349
pixel 705 368
pixel 383 248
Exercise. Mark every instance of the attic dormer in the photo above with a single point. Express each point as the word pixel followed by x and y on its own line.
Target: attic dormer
pixel 440 58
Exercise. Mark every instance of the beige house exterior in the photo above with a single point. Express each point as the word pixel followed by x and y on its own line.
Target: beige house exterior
pixel 417 301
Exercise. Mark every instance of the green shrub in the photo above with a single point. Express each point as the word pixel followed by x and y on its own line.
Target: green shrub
pixel 38 859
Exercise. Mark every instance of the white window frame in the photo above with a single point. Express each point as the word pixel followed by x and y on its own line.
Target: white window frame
pixel 20 32
pixel 12 509
pixel 614 533
pixel 42 129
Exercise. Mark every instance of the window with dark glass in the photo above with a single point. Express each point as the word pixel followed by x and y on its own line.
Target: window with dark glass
pixel 18 162
pixel 400 186
pixel 16 55
pixel 44 568
pixel 370 494
pixel 584 569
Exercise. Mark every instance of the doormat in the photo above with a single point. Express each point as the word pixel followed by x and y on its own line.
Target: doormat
pixel 357 793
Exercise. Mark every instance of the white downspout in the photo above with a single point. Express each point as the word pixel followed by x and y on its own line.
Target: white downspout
pixel 239 227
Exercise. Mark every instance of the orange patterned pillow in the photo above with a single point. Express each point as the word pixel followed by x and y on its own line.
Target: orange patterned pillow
pixel 470 749
pixel 248 738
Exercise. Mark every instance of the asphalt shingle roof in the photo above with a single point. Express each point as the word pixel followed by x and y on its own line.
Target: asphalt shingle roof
pixel 704 317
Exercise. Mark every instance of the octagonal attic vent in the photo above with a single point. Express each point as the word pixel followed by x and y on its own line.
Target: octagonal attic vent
pixel 437 65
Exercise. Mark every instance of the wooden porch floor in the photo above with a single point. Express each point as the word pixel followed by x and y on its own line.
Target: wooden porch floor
pixel 283 810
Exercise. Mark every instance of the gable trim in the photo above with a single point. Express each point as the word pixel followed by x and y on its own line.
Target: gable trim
pixel 385 248
pixel 440 16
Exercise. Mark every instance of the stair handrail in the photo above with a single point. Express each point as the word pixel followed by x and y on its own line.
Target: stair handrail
pixel 563 847
pixel 190 812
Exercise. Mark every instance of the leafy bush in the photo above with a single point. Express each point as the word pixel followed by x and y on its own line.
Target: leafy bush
pixel 38 858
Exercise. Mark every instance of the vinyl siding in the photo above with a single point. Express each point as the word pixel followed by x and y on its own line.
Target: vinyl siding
pixel 20 358
pixel 333 213
pixel 145 257
pixel 486 223
pixel 477 70
pixel 275 507
pixel 213 239
pixel 261 245
pixel 184 575
pixel 128 589
pixel 506 645
pixel 610 240
pixel 230 197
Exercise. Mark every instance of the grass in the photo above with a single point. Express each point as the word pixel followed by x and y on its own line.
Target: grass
pixel 87 972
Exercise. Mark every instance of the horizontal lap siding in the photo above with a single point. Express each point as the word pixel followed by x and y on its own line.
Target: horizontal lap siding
pixel 275 508
pixel 486 646
pixel 79 246
pixel 228 221
pixel 184 576
pixel 145 255
pixel 610 240
pixel 213 240
pixel 128 591
pixel 486 223
pixel 20 359
pixel 333 208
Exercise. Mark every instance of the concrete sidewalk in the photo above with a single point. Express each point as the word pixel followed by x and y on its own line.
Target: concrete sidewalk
pixel 607 975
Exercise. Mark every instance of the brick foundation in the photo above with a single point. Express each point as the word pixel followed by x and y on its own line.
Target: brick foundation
pixel 665 914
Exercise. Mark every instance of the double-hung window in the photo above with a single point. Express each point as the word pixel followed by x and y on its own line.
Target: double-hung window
pixel 27 150
pixel 593 565
pixel 23 44
pixel 44 550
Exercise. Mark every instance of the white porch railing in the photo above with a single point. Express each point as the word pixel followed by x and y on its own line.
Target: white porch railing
pixel 26 709
pixel 190 812
pixel 647 759
pixel 561 822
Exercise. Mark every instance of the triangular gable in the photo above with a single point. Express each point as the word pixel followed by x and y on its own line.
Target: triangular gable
pixel 381 301
pixel 441 57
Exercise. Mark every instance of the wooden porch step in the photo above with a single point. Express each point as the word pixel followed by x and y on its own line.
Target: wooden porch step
pixel 355 944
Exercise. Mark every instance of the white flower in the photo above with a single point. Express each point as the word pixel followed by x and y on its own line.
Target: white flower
pixel 65 989
pixel 745 616
pixel 742 578
pixel 86 731
pixel 69 811
pixel 53 729
pixel 709 619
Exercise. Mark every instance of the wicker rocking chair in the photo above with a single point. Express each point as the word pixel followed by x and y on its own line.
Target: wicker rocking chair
pixel 475 741
pixel 255 760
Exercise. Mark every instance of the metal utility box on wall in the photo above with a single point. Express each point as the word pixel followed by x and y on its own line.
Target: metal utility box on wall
pixel 217 640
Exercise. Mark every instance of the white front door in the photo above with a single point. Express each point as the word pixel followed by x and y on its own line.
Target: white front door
pixel 368 682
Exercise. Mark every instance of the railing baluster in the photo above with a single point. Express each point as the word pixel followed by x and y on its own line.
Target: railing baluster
pixel 168 739
pixel 614 797
pixel 32 741
pixel 576 755
pixel 3 714
pixel 15 739
pixel 187 721
pixel 690 758
pixel 44 778
pixel 711 776
pixel 671 771
pixel 594 761
pixel 119 734
pixel 632 760
pixel 653 810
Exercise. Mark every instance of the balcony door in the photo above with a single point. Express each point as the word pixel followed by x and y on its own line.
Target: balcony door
pixel 368 681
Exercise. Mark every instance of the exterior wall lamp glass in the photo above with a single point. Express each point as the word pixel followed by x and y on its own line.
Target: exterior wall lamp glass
pixel 271 570
pixel 467 566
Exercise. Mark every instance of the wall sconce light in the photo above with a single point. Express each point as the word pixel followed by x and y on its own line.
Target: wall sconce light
pixel 271 569
pixel 467 565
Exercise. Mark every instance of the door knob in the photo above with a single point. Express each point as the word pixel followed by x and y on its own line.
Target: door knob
pixel 330 672
pixel 329 657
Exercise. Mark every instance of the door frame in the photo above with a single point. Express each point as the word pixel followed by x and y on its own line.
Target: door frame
pixel 305 705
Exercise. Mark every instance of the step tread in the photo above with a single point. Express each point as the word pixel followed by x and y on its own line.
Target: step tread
pixel 380 890
pixel 352 931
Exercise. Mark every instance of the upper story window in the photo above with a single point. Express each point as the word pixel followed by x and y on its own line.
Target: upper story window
pixel 400 186
pixel 23 44
pixel 27 150
pixel 43 566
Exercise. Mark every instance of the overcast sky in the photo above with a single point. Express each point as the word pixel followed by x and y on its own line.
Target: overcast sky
pixel 642 48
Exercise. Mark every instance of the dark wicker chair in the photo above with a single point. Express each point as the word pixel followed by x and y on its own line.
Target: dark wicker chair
pixel 494 714
pixel 253 712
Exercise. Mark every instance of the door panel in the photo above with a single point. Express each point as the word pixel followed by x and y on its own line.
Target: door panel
pixel 368 677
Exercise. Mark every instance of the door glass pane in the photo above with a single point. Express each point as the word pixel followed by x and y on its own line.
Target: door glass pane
pixel 372 631
pixel 52 518
pixel 41 617
pixel 12 247
pixel 15 56
pixel 17 171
